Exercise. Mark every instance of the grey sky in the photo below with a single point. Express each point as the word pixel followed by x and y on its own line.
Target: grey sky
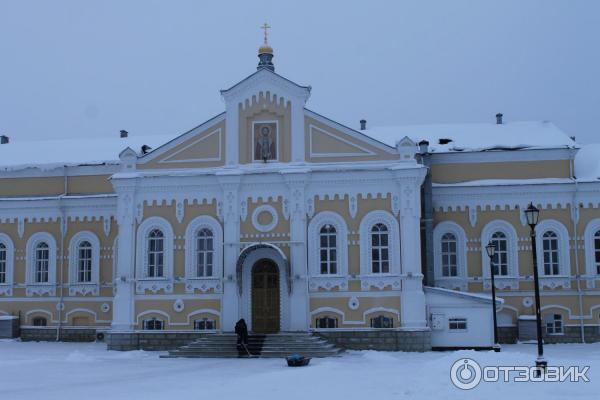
pixel 71 68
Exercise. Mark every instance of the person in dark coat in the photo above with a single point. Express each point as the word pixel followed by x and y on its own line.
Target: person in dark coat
pixel 241 330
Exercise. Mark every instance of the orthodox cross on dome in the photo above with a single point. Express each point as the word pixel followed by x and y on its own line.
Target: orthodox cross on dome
pixel 264 27
pixel 265 52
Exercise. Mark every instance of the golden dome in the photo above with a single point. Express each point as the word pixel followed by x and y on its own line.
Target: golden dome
pixel 265 48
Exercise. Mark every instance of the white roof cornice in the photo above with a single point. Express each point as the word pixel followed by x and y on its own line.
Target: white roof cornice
pixel 266 80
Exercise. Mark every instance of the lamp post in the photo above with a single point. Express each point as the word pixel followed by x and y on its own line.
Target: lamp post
pixel 491 251
pixel 533 214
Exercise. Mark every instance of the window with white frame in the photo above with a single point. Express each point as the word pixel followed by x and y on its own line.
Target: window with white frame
pixel 554 324
pixel 40 321
pixel 457 324
pixel 550 253
pixel 500 259
pixel 153 324
pixel 156 254
pixel 379 245
pixel 204 253
pixel 84 262
pixel 449 255
pixel 3 266
pixel 381 322
pixel 328 250
pixel 205 324
pixel 380 251
pixel 42 262
pixel 597 251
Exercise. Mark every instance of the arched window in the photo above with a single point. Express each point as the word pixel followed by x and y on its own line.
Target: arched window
pixel 40 321
pixel 327 250
pixel 3 267
pixel 204 253
pixel 500 259
pixel 550 253
pixel 42 262
pixel 449 255
pixel 380 258
pixel 597 251
pixel 84 262
pixel 156 254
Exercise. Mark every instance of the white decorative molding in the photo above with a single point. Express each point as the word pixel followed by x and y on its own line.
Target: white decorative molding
pixel 154 285
pixel 262 209
pixel 203 285
pixel 353 303
pixel 179 211
pixel 452 283
pixel 473 216
pixel 178 305
pixel 310 206
pixel 83 289
pixel 361 150
pixel 553 282
pixel 286 208
pixel 380 282
pixel 216 157
pixel 139 212
pixel 328 282
pixel 511 282
pixel 244 210
pixel 21 227
pixel 353 205
pixel 395 204
pixel 105 307
pixel 106 224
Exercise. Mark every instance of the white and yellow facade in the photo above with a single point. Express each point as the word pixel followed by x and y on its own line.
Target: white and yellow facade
pixel 169 239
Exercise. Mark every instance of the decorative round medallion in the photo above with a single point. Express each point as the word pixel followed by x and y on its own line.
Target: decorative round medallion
pixel 353 303
pixel 264 218
pixel 178 306
pixel 527 301
pixel 105 307
pixel 60 306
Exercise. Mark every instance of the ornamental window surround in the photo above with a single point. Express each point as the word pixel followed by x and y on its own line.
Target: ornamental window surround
pixel 41 261
pixel 552 240
pixel 6 264
pixel 506 261
pixel 155 250
pixel 450 255
pixel 592 251
pixel 204 248
pixel 84 262
pixel 328 246
pixel 379 244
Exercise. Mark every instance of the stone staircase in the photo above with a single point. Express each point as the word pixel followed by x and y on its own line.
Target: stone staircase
pixel 277 345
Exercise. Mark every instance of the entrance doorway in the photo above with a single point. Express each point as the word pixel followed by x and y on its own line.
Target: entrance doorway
pixel 265 297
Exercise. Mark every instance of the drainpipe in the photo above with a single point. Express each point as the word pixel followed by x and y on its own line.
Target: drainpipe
pixel 575 220
pixel 63 231
pixel 427 215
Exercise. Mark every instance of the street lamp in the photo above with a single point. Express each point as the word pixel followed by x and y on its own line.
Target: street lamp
pixel 533 214
pixel 491 251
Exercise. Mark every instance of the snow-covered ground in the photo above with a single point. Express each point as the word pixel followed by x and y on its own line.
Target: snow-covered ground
pixel 87 371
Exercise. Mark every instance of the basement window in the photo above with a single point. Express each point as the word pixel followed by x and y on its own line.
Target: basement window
pixel 382 321
pixel 205 324
pixel 40 321
pixel 153 324
pixel 326 323
pixel 554 324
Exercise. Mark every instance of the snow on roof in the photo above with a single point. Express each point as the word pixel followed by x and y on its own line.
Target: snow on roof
pixel 587 162
pixel 55 153
pixel 478 136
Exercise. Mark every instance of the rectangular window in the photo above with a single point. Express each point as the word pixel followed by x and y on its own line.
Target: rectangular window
pixel 597 253
pixel 205 324
pixel 326 323
pixel 457 324
pixel 554 325
pixel 41 265
pixel 153 324
pixel 85 264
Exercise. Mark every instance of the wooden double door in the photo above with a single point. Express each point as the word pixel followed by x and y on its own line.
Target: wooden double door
pixel 265 297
